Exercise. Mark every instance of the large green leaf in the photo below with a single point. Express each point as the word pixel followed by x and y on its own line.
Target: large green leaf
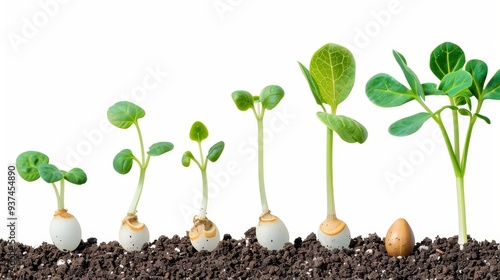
pixel 50 173
pixel 198 132
pixel 409 125
pixel 76 176
pixel 123 161
pixel 478 70
pixel 243 99
pixel 410 76
pixel 312 85
pixel 27 164
pixel 446 58
pixel 385 91
pixel 160 148
pixel 124 113
pixel 492 89
pixel 348 129
pixel 333 68
pixel 455 82
pixel 270 96
pixel 215 151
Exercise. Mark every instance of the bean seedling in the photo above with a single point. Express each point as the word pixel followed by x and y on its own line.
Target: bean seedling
pixel 331 76
pixel 124 114
pixel 204 234
pixel 65 231
pixel 459 86
pixel 271 231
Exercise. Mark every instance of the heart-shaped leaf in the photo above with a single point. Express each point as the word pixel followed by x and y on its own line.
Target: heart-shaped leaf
pixel 431 89
pixel 409 125
pixel 50 173
pixel 492 89
pixel 271 96
pixel 198 132
pixel 76 176
pixel 478 70
pixel 215 151
pixel 410 76
pixel 385 91
pixel 122 163
pixel 160 148
pixel 333 68
pixel 348 129
pixel 124 113
pixel 243 99
pixel 446 58
pixel 455 82
pixel 27 164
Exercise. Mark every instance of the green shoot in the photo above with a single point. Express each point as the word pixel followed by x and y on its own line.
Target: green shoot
pixel 198 133
pixel 123 115
pixel 459 86
pixel 331 77
pixel 33 165
pixel 268 99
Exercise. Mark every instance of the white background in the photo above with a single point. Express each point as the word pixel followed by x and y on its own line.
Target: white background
pixel 68 62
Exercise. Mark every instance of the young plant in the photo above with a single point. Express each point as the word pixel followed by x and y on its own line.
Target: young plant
pixel 271 231
pixel 65 231
pixel 459 86
pixel 204 234
pixel 124 114
pixel 331 78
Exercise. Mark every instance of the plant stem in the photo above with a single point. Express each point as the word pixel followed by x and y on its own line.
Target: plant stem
pixel 456 130
pixel 329 175
pixel 141 142
pixel 465 153
pixel 203 168
pixel 138 191
pixel 462 224
pixel 262 187
pixel 60 201
pixel 59 206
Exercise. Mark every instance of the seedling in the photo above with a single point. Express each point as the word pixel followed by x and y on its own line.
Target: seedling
pixel 65 231
pixel 331 78
pixel 204 234
pixel 459 86
pixel 124 114
pixel 271 231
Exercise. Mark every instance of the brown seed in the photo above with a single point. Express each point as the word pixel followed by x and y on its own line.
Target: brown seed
pixel 440 251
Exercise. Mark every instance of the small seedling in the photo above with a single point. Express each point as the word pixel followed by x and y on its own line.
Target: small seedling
pixel 65 231
pixel 271 231
pixel 459 86
pixel 124 114
pixel 204 234
pixel 331 78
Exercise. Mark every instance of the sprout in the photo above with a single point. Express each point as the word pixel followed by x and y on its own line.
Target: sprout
pixel 124 114
pixel 65 231
pixel 204 234
pixel 271 231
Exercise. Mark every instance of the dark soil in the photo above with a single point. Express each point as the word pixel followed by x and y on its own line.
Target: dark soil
pixel 175 258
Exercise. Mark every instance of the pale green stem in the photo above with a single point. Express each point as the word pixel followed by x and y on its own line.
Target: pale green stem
pixel 60 201
pixel 57 197
pixel 262 187
pixel 204 202
pixel 138 191
pixel 329 175
pixel 462 224
pixel 143 154
pixel 456 130
pixel 465 152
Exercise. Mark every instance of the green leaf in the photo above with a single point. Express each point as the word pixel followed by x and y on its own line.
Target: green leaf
pixel 455 82
pixel 431 89
pixel 215 151
pixel 27 164
pixel 385 91
pixel 271 96
pixel 464 112
pixel 186 158
pixel 478 70
pixel 348 129
pixel 492 89
pixel 124 113
pixel 446 58
pixel 438 112
pixel 123 161
pixel 484 118
pixel 312 84
pixel 50 173
pixel 160 148
pixel 198 132
pixel 243 99
pixel 333 68
pixel 462 100
pixel 409 125
pixel 410 76
pixel 76 176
